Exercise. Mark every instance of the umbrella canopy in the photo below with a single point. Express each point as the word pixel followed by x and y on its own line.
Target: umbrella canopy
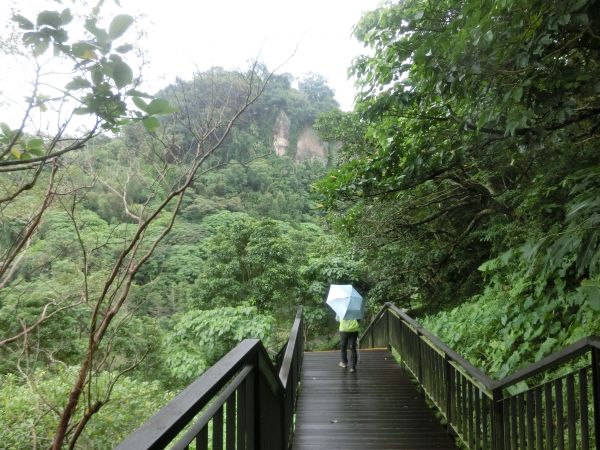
pixel 345 301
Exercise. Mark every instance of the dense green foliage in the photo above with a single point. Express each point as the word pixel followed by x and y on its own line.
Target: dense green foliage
pixel 25 418
pixel 235 265
pixel 215 332
pixel 475 177
pixel 466 188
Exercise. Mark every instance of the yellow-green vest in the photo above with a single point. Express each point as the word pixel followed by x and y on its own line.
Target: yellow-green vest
pixel 349 326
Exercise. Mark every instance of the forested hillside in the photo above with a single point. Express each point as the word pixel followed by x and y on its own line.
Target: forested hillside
pixel 139 251
pixel 142 235
pixel 470 172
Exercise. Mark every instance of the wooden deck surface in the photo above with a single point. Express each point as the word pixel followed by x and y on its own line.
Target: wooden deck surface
pixel 378 407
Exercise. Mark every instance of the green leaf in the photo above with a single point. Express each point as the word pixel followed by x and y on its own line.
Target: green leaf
pixel 24 22
pixel 581 19
pixel 35 147
pixel 6 129
pixel 564 19
pixel 140 104
pixel 591 289
pixel 119 25
pixel 418 15
pixel 50 18
pixel 16 152
pixel 97 75
pixel 122 74
pixel 124 48
pixel 78 83
pixel 159 106
pixel 84 50
pixel 60 36
pixel 100 34
pixel 66 16
pixel 517 94
pixel 523 60
pixel 35 143
pixel 136 93
pixel 40 47
pixel 578 5
pixel 151 123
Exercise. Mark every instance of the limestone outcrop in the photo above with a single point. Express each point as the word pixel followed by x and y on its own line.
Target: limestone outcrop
pixel 308 145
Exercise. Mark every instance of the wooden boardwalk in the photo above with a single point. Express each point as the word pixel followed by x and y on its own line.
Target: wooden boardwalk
pixel 378 407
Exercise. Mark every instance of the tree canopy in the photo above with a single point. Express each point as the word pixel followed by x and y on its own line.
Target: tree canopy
pixel 477 173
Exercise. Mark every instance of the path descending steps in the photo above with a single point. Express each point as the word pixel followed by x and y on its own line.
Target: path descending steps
pixel 378 407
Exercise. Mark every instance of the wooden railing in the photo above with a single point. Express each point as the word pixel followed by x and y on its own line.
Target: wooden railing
pixel 240 403
pixel 563 413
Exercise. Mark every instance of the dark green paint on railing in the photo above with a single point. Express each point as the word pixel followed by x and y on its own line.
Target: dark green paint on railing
pixel 481 411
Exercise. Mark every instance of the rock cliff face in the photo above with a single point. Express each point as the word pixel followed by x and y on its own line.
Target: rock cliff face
pixel 308 146
pixel 281 134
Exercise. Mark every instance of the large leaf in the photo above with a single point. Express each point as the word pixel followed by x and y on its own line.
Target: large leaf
pixel 6 129
pixel 78 83
pixel 140 103
pixel 60 36
pixel 119 25
pixel 591 289
pixel 16 151
pixel 124 48
pixel 35 147
pixel 84 50
pixel 24 22
pixel 66 16
pixel 97 75
pixel 100 34
pixel 122 74
pixel 151 123
pixel 159 106
pixel 41 46
pixel 50 18
pixel 136 93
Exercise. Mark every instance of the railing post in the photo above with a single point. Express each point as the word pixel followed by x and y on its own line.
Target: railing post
pixel 448 387
pixel 497 420
pixel 251 408
pixel 269 422
pixel 419 359
pixel 596 388
pixel 387 328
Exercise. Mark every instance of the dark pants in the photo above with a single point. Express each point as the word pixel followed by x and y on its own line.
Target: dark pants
pixel 349 338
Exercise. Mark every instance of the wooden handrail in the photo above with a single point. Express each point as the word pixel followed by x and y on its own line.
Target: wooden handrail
pixel 284 371
pixel 248 367
pixel 481 411
pixel 158 431
pixel 213 408
pixel 473 371
pixel 555 359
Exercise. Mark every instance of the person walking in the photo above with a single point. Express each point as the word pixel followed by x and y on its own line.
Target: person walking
pixel 348 336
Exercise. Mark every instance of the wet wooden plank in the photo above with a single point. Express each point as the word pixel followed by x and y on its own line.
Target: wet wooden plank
pixel 378 407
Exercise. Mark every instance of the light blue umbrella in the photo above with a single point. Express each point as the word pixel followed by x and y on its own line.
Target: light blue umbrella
pixel 345 301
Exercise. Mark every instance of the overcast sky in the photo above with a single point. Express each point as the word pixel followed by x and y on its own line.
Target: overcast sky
pixel 184 34
pixel 230 32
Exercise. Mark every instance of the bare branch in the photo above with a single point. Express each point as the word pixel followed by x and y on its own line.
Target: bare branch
pixel 116 288
pixel 30 228
pixel 44 316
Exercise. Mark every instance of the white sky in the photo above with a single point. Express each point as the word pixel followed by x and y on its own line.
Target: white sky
pixel 182 35
pixel 230 32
